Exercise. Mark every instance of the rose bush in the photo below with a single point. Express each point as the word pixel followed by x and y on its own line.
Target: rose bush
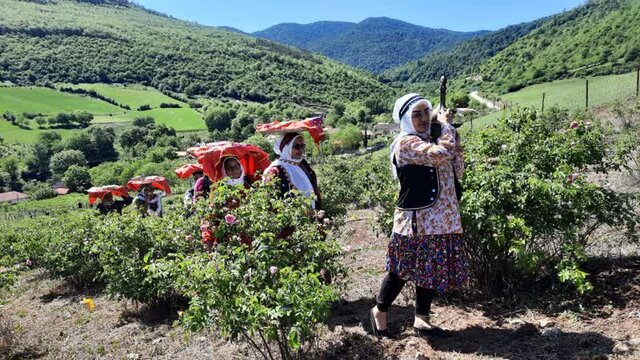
pixel 263 282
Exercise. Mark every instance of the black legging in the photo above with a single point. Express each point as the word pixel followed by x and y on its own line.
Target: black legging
pixel 391 286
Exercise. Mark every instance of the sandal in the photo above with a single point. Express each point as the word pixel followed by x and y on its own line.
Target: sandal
pixel 380 334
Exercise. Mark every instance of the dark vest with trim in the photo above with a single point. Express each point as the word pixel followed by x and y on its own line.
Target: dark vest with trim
pixel 419 186
pixel 285 187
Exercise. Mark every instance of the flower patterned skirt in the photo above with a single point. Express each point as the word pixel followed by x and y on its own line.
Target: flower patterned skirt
pixel 429 261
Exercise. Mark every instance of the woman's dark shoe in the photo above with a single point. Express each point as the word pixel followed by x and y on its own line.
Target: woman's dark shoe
pixel 380 334
pixel 434 332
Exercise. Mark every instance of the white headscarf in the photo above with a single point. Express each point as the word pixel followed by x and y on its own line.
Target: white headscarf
pixel 405 105
pixel 298 178
pixel 230 181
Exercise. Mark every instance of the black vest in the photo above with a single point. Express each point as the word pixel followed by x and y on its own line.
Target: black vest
pixel 419 186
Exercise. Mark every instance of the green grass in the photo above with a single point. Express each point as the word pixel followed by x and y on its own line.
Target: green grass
pixel 182 119
pixel 132 95
pixel 13 134
pixel 569 93
pixel 47 101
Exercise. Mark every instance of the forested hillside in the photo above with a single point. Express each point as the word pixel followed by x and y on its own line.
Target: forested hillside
pixel 600 37
pixel 100 41
pixel 462 58
pixel 375 44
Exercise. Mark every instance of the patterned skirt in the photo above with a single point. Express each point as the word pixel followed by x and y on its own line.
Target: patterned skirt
pixel 429 261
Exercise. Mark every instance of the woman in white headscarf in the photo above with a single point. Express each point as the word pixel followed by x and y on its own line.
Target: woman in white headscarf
pixel 427 243
pixel 292 169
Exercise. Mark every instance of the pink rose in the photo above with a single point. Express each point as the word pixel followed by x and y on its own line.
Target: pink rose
pixel 230 219
pixel 28 262
pixel 347 249
pixel 204 228
pixel 273 270
pixel 574 125
pixel 323 272
pixel 188 237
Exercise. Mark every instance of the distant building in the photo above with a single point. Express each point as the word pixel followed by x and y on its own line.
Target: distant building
pixel 61 190
pixel 386 128
pixel 13 197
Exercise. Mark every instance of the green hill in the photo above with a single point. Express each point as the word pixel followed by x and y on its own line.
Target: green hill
pixel 463 58
pixel 100 41
pixel 374 44
pixel 600 37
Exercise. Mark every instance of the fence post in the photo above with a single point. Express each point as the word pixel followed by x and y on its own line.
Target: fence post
pixel 637 81
pixel 587 94
pixel 543 95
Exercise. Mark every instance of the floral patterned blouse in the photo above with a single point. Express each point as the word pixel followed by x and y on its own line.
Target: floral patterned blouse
pixel 443 217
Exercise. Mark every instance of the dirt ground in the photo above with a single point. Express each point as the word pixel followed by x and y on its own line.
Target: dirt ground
pixel 45 319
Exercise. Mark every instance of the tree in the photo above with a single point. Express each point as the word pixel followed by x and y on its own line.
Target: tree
pixel 9 116
pixel 77 178
pixel 339 109
pixel 103 140
pixel 10 166
pixel 143 121
pixel 129 137
pixel 63 160
pixel 219 119
pixel 41 121
pixel 84 119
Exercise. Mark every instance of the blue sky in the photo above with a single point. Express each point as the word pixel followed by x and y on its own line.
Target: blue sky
pixel 461 15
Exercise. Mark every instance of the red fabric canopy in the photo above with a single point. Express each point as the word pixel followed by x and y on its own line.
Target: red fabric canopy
pixel 157 182
pixel 98 192
pixel 185 171
pixel 311 125
pixel 252 158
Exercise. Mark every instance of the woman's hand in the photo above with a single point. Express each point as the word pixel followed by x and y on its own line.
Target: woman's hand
pixel 447 141
pixel 445 116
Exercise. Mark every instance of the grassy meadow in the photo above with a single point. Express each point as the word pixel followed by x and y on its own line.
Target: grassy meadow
pixel 568 93
pixel 46 102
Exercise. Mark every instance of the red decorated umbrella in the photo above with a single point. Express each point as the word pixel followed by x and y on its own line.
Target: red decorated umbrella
pixel 157 182
pixel 98 192
pixel 312 125
pixel 185 171
pixel 211 156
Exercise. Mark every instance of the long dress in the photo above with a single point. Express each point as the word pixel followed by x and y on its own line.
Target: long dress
pixel 427 245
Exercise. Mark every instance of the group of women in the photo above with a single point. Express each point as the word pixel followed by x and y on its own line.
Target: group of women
pixel 427 243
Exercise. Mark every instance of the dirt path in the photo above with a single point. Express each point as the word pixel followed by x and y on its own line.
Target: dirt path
pixel 488 103
pixel 43 318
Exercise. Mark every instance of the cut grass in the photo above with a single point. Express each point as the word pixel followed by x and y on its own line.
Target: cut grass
pixel 48 102
pixel 40 100
pixel 569 93
pixel 132 95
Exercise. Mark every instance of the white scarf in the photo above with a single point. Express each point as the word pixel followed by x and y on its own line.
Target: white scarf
pixel 298 178
pixel 406 125
pixel 230 181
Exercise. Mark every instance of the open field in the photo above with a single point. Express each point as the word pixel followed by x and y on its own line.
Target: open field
pixel 569 93
pixel 11 133
pixel 49 102
pixel 132 95
pixel 40 100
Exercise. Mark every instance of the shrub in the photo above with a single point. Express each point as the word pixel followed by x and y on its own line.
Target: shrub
pixel 270 291
pixel 527 203
pixel 71 249
pixel 127 244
